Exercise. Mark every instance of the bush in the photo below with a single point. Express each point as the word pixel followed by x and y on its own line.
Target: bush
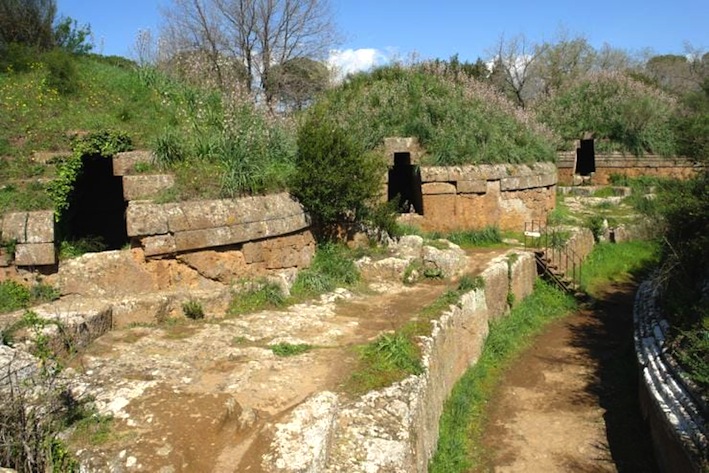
pixel 193 310
pixel 13 296
pixel 61 71
pixel 331 268
pixel 336 179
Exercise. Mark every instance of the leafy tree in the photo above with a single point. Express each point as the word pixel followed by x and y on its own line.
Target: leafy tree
pixel 70 37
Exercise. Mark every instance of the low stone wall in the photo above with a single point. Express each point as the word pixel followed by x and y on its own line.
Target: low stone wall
pixel 630 166
pixel 168 229
pixel 505 196
pixel 396 429
pixel 676 414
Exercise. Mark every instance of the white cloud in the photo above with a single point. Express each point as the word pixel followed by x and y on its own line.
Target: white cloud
pixel 347 61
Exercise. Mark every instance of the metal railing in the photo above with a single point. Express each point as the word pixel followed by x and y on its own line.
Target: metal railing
pixel 557 260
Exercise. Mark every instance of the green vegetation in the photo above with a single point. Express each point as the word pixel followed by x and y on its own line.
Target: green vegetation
pixel 289 349
pixel 456 118
pixel 488 236
pixel 610 262
pixel 193 309
pixel 336 179
pixel 624 114
pixel 261 296
pixel 331 268
pixel 682 209
pixel 15 296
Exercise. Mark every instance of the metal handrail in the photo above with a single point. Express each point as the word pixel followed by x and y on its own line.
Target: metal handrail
pixel 572 262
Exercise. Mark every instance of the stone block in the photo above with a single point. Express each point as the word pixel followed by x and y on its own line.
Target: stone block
pixel 146 218
pixel 434 174
pixel 496 278
pixel 40 227
pixel 13 226
pixel 124 163
pixel 478 186
pixel 438 188
pixel 253 252
pixel 159 245
pixel 35 254
pixel 142 186
pixel 222 266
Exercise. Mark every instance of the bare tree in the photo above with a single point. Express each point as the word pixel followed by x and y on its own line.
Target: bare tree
pixel 260 34
pixel 513 62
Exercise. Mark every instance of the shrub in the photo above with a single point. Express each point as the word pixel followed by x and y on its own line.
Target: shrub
pixel 331 268
pixel 262 295
pixel 193 309
pixel 61 71
pixel 335 179
pixel 13 296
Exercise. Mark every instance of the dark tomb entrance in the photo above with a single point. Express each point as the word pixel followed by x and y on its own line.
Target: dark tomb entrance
pixel 96 210
pixel 405 185
pixel 586 158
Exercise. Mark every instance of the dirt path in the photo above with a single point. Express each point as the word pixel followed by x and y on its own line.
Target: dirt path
pixel 569 403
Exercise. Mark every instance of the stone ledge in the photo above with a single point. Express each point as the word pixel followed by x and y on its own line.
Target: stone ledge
pixel 677 417
pixel 35 254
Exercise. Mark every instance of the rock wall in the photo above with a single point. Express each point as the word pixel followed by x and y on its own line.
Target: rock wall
pixel 395 429
pixel 676 413
pixel 631 166
pixel 464 197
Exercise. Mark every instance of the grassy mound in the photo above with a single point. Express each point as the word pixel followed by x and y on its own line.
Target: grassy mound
pixel 457 120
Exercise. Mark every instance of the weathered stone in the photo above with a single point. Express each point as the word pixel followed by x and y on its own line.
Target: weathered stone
pixel 35 254
pixel 159 245
pixel 435 174
pixel 496 277
pixel 409 145
pixel 222 266
pixel 437 188
pixel 40 227
pixel 109 273
pixel 253 252
pixel 14 226
pixel 449 261
pixel 146 218
pixel 522 274
pixel 302 442
pixel 124 163
pixel 472 187
pixel 142 186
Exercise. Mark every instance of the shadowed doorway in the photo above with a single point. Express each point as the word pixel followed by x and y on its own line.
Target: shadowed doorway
pixel 96 207
pixel 405 185
pixel 585 158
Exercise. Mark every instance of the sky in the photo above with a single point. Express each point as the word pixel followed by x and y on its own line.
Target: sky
pixel 377 31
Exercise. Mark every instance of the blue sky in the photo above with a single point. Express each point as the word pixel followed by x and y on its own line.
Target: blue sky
pixel 376 30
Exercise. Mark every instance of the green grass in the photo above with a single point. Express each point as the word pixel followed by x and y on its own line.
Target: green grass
pixel 263 295
pixel 15 296
pixel 464 413
pixel 288 349
pixel 331 268
pixel 616 263
pixel 488 236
